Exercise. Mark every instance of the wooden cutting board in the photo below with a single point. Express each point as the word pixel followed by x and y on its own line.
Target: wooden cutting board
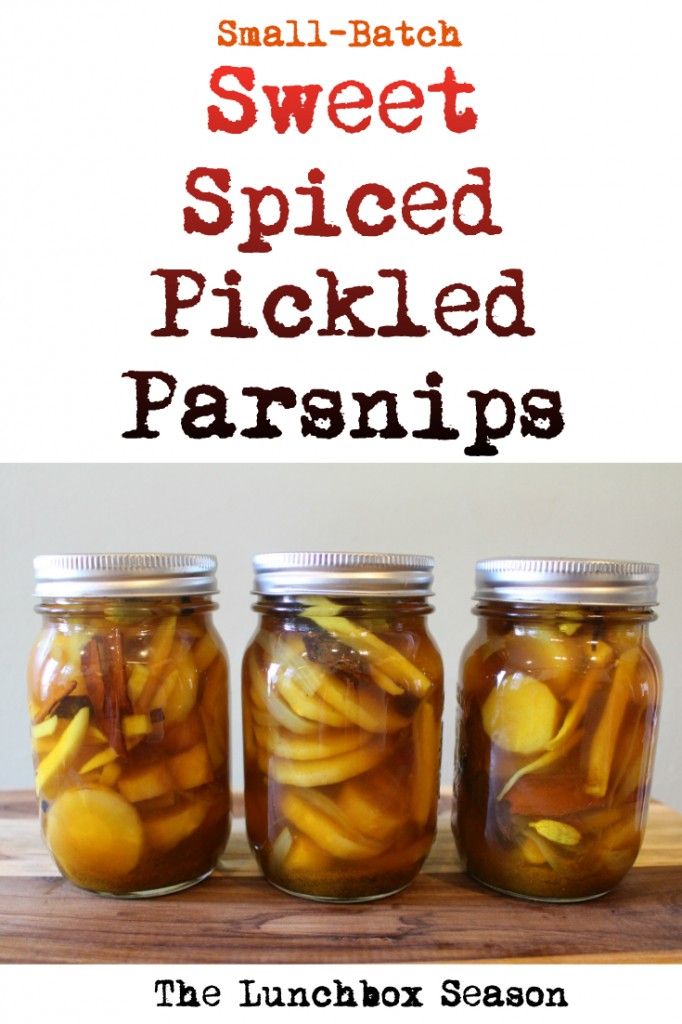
pixel 236 917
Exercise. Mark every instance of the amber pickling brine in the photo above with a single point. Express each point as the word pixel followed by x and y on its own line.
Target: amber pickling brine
pixel 558 698
pixel 342 703
pixel 127 690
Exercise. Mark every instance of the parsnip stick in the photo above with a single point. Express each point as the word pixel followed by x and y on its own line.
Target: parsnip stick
pixel 362 709
pixel 307 705
pixel 325 771
pixel 272 704
pixel 159 652
pixel 606 733
pixel 309 748
pixel 63 753
pixel 426 742
pixel 204 651
pixel 594 675
pixel 386 658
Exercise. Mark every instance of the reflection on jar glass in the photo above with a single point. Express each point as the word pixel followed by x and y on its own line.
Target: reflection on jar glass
pixel 558 700
pixel 342 704
pixel 127 689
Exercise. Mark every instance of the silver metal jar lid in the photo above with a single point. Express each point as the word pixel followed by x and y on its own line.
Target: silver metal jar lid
pixel 342 574
pixel 124 574
pixel 567 581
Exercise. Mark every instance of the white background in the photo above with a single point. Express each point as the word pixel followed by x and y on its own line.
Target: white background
pixel 104 115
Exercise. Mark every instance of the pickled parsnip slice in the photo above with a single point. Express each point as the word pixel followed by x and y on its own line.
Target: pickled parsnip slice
pixel 307 705
pixel 308 748
pixel 532 854
pixel 426 746
pixel 248 729
pixel 304 856
pixel 280 848
pixel 136 725
pixel 544 761
pixel 548 850
pixel 45 728
pixel 556 831
pixel 177 693
pixel 386 658
pixel 605 735
pixel 204 651
pixel 272 704
pixel 213 712
pixel 94 833
pixel 137 680
pixel 111 773
pixel 192 768
pixel 95 735
pixel 375 804
pixel 167 829
pixel 599 659
pixel 401 856
pixel 384 682
pixel 521 714
pixel 318 817
pixel 98 761
pixel 159 652
pixel 146 782
pixel 545 653
pixel 623 835
pixel 329 770
pixel 364 709
pixel 63 753
pixel 185 734
pixel 633 770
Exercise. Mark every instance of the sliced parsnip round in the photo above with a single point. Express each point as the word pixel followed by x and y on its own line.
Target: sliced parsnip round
pixel 375 804
pixel 317 817
pixel 307 748
pixel 521 714
pixel 306 857
pixel 329 770
pixel 94 834
pixel 167 829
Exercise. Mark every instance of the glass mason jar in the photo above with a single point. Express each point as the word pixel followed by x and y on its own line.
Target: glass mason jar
pixel 342 704
pixel 558 700
pixel 127 689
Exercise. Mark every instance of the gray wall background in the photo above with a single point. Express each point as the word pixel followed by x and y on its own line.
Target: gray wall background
pixel 458 513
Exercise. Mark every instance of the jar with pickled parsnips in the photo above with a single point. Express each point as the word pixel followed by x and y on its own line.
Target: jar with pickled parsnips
pixel 558 698
pixel 127 690
pixel 342 704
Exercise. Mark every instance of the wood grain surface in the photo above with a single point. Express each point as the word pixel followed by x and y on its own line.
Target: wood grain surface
pixel 236 917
